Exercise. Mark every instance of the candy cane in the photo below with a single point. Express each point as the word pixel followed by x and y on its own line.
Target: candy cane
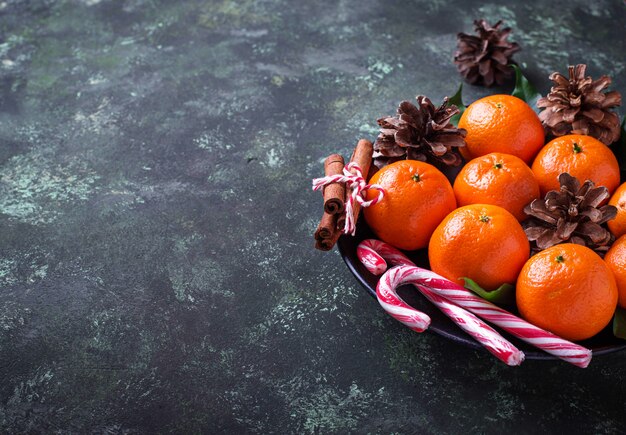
pixel 397 308
pixel 400 310
pixel 544 340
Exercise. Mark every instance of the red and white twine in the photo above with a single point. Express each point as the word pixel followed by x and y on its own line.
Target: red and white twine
pixel 353 177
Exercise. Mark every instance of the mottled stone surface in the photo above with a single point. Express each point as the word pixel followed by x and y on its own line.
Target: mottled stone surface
pixel 156 263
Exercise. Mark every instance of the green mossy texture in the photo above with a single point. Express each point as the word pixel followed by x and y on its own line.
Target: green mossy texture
pixel 157 273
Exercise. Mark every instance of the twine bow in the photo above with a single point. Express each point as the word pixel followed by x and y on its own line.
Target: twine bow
pixel 353 177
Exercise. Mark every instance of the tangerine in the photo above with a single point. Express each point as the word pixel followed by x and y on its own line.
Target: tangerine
pixel 417 197
pixel 583 157
pixel 568 290
pixel 497 179
pixel 501 123
pixel 616 260
pixel 617 226
pixel 480 241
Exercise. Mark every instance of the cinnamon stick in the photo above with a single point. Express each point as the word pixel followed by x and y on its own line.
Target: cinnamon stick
pixel 362 155
pixel 372 171
pixel 327 227
pixel 341 221
pixel 334 193
pixel 327 232
pixel 327 244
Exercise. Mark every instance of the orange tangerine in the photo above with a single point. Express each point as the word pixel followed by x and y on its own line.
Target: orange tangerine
pixel 501 123
pixel 497 179
pixel 567 289
pixel 417 197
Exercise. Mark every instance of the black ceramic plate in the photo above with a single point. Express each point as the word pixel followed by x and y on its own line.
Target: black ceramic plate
pixel 602 343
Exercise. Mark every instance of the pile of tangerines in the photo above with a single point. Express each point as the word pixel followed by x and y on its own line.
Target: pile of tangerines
pixel 472 228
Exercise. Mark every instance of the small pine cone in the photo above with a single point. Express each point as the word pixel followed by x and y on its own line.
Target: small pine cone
pixel 578 105
pixel 485 59
pixel 421 132
pixel 571 215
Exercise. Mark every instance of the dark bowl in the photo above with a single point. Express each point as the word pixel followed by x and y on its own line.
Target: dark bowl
pixel 602 343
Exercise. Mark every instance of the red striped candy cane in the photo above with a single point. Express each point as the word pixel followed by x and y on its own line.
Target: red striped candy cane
pixel 397 308
pixel 414 319
pixel 544 340
pixel 368 255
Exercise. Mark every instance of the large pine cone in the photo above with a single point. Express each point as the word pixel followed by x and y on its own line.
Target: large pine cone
pixel 421 132
pixel 578 106
pixel 572 214
pixel 484 59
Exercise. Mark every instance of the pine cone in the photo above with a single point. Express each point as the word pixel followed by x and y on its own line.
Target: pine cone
pixel 485 59
pixel 570 215
pixel 420 133
pixel 578 106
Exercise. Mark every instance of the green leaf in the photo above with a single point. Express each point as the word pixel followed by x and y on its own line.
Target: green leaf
pixel 619 147
pixel 619 323
pixel 524 90
pixel 503 295
pixel 457 100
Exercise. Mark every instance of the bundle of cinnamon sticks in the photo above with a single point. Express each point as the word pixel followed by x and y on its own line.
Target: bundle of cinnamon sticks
pixel 335 196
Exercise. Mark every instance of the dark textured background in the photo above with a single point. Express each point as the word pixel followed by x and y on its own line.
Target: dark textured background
pixel 156 263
